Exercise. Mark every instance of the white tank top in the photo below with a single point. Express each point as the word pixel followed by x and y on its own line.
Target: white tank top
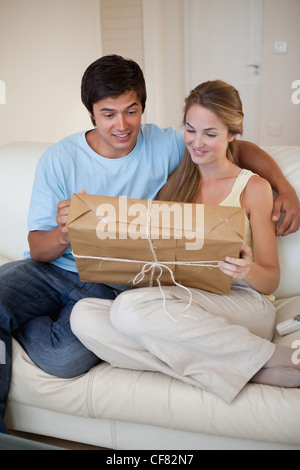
pixel 234 199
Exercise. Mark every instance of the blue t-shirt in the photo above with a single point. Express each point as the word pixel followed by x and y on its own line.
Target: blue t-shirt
pixel 71 165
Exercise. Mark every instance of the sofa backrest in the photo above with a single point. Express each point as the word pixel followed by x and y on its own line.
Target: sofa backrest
pixel 18 161
pixel 17 168
pixel 288 159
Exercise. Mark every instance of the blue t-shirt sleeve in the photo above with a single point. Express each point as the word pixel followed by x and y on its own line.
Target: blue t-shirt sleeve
pixel 178 150
pixel 46 193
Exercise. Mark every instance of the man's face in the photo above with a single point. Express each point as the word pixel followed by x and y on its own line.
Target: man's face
pixel 118 122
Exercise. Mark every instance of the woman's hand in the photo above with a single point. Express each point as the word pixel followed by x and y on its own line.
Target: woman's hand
pixel 238 268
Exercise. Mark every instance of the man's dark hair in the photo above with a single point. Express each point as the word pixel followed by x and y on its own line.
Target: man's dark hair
pixel 112 76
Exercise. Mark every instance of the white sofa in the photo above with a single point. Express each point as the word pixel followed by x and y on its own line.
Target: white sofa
pixel 124 409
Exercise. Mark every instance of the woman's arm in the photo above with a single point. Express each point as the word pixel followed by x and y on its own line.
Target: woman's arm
pixel 257 160
pixel 262 274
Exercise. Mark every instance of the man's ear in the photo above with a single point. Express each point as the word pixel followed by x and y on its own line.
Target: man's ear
pixel 92 118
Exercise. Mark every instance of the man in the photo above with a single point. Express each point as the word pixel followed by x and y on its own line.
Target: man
pixel 119 157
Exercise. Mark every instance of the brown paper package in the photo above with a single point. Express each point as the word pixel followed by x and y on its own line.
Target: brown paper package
pixel 135 242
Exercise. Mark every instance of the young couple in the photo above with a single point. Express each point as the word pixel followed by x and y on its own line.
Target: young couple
pixel 122 157
pixel 222 342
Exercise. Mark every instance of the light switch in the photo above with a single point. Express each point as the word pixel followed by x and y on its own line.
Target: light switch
pixel 280 47
pixel 274 128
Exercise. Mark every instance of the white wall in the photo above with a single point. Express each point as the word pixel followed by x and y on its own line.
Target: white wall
pixel 45 46
pixel 167 65
pixel 122 29
pixel 152 33
pixel 164 61
pixel 281 23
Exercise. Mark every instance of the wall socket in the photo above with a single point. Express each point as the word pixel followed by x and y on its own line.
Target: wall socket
pixel 280 47
pixel 274 128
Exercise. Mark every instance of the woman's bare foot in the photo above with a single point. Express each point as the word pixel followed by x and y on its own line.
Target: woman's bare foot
pixel 281 370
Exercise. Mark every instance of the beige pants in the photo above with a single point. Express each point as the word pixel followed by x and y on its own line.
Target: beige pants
pixel 218 344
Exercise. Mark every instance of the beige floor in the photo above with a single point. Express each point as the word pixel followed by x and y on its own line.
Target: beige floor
pixel 64 444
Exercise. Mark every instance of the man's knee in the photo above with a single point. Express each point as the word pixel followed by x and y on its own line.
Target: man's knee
pixel 66 361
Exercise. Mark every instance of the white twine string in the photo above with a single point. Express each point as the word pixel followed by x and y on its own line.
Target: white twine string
pixel 204 264
pixel 155 264
pixel 151 266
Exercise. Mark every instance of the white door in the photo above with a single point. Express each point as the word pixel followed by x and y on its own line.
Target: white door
pixel 224 41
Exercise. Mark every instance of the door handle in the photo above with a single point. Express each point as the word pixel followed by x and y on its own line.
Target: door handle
pixel 256 67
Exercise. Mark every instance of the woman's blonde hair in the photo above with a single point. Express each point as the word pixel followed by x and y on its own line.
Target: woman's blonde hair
pixel 224 101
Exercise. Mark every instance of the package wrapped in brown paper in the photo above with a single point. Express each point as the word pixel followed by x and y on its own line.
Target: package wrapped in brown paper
pixel 135 242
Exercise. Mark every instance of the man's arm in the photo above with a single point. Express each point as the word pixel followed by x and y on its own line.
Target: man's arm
pixel 49 246
pixel 257 160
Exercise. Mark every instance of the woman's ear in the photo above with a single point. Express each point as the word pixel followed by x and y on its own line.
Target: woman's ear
pixel 232 137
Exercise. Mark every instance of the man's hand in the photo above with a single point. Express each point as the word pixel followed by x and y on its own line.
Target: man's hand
pixel 287 203
pixel 63 209
pixel 260 162
pixel 49 246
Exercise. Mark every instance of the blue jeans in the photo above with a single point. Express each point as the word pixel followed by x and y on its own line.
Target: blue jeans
pixel 36 300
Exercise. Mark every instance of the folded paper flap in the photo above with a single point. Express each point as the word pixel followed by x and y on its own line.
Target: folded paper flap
pixel 81 204
pixel 78 207
pixel 230 220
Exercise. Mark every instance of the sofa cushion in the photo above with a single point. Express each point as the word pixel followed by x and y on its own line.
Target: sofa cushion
pixel 286 309
pixel 260 412
pixel 4 259
pixel 288 159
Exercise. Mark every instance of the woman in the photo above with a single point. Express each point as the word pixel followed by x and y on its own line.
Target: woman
pixel 222 342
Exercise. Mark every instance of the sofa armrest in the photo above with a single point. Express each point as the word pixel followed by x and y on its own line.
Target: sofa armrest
pixel 4 259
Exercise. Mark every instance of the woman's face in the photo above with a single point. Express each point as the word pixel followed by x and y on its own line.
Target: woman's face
pixel 205 136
